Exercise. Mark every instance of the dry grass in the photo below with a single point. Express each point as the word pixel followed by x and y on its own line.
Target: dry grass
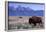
pixel 17 23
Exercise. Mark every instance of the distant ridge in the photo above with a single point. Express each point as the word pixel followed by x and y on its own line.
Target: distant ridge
pixel 24 11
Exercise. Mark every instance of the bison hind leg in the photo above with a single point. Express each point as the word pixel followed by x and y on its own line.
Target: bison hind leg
pixel 40 23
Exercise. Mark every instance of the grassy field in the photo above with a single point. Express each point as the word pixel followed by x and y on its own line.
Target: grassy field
pixel 24 26
pixel 17 23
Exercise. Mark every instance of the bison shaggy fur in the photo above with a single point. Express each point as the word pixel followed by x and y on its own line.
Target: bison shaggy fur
pixel 34 20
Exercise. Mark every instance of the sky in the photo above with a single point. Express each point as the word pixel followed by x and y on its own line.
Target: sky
pixel 35 7
pixel 32 6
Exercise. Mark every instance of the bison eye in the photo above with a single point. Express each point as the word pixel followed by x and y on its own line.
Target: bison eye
pixel 20 17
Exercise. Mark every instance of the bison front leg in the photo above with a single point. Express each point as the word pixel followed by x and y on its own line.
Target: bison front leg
pixel 29 22
pixel 34 24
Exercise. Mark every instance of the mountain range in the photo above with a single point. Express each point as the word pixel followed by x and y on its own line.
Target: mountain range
pixel 24 11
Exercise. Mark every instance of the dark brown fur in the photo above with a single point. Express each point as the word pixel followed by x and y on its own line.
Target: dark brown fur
pixel 34 20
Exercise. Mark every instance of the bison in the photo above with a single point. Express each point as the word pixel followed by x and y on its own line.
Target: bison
pixel 34 20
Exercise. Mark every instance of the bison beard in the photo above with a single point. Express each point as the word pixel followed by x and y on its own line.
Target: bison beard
pixel 35 20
